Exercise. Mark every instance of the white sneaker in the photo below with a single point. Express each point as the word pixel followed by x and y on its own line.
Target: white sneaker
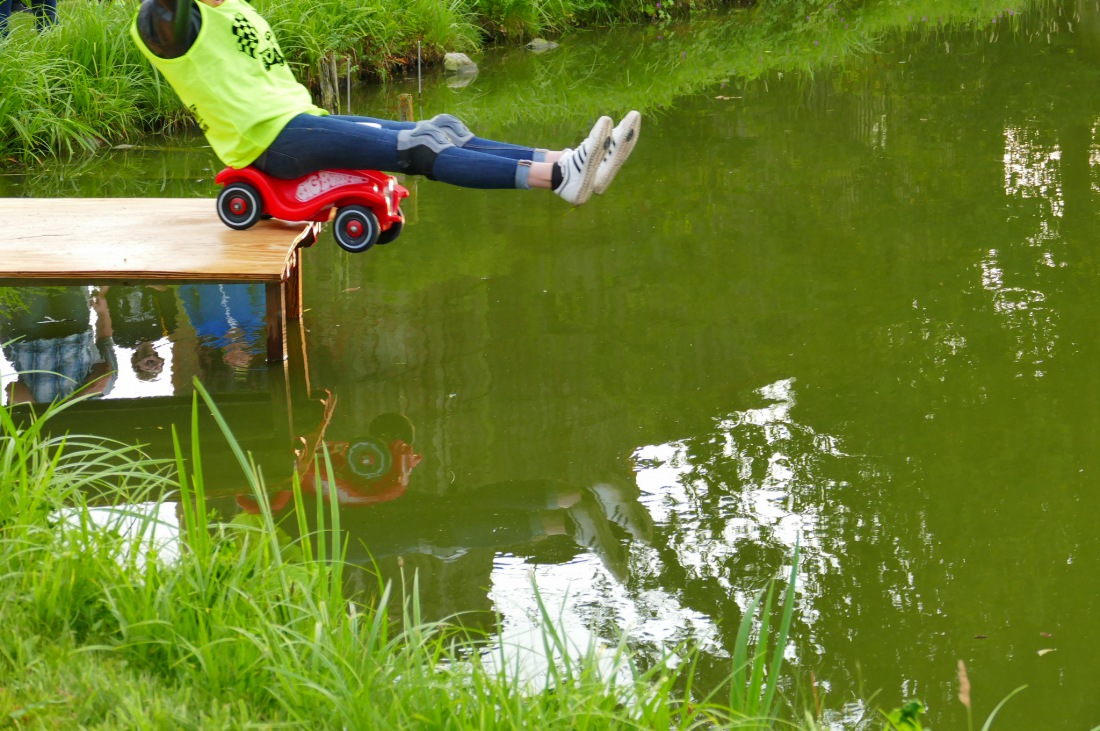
pixel 578 167
pixel 623 139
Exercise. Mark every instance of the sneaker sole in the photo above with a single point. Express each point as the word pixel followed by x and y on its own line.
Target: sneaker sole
pixel 589 179
pixel 622 151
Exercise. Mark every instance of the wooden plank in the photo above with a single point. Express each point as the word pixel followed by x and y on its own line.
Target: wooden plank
pixel 139 239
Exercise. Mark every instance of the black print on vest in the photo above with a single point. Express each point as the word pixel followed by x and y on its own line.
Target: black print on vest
pixel 271 55
pixel 195 112
pixel 248 40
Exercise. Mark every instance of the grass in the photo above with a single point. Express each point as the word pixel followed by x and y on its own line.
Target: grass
pixel 83 83
pixel 238 625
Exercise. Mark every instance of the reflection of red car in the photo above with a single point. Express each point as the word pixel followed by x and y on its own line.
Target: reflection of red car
pixel 364 472
pixel 367 202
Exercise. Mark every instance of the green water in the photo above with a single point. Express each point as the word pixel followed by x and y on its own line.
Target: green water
pixel 854 311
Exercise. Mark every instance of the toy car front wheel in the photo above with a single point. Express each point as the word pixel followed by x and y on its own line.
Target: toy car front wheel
pixel 391 233
pixel 240 206
pixel 369 458
pixel 356 228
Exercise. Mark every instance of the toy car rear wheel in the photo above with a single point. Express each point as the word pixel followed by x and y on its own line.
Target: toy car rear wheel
pixel 369 458
pixel 390 233
pixel 240 206
pixel 356 228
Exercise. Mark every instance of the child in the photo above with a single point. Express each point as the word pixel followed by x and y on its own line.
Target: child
pixel 223 60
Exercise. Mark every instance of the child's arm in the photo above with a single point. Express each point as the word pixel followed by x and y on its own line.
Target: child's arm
pixel 169 27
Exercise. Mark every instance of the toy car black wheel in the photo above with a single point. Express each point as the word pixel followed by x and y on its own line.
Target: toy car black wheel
pixel 369 458
pixel 391 233
pixel 356 228
pixel 240 206
pixel 390 426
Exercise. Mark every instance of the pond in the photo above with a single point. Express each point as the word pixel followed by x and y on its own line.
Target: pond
pixel 846 310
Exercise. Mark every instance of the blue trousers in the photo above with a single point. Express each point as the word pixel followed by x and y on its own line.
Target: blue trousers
pixel 45 14
pixel 309 143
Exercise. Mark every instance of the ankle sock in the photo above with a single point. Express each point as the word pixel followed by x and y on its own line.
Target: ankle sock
pixel 556 176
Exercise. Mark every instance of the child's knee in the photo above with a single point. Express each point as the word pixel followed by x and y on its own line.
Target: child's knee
pixel 417 148
pixel 454 128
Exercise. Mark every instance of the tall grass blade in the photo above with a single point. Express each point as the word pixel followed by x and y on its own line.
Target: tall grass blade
pixel 997 709
pixel 771 692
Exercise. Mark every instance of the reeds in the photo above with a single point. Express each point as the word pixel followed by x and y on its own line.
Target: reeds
pixel 236 623
pixel 78 85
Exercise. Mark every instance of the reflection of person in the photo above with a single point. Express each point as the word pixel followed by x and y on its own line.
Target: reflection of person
pixel 220 335
pixel 234 78
pixel 45 13
pixel 146 361
pixel 140 316
pixel 228 317
pixel 50 341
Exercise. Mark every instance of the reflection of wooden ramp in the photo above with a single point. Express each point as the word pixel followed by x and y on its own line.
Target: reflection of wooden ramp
pixel 152 240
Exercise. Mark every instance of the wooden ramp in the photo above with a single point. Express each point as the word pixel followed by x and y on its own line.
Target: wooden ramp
pixel 77 241
pixel 144 239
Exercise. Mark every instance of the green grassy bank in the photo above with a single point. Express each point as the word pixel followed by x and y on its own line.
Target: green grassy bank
pixel 83 84
pixel 107 625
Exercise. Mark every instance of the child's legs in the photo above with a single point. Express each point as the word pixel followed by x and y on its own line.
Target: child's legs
pixel 383 123
pixel 309 143
pixel 472 169
pixel 503 149
pixel 478 144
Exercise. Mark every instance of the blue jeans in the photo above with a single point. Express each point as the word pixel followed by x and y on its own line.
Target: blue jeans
pixel 309 143
pixel 45 13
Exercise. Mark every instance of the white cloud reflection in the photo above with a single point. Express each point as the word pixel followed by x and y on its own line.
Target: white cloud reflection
pixel 755 483
pixel 1031 170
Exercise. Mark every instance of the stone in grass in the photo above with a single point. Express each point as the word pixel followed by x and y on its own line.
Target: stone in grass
pixel 541 45
pixel 459 63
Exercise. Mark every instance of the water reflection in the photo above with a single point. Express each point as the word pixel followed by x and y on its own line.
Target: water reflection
pixel 53 346
pixel 450 533
pixel 139 341
pixel 854 311
pixel 142 318
pixel 736 500
pixel 366 470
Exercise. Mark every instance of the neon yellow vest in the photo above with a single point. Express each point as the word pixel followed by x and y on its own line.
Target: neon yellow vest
pixel 235 81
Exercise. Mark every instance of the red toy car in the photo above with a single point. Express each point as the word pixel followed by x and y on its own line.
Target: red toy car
pixel 367 202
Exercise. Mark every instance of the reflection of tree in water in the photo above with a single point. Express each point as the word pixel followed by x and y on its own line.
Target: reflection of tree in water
pixel 1017 273
pixel 176 167
pixel 731 505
